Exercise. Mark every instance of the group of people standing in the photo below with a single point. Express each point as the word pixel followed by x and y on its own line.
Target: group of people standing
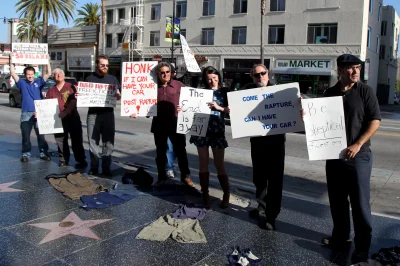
pixel 347 178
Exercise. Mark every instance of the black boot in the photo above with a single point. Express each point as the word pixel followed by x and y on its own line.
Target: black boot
pixel 224 182
pixel 204 183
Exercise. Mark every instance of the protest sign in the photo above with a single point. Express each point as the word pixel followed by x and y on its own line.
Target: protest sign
pixel 188 55
pixel 96 95
pixel 325 128
pixel 47 116
pixel 139 88
pixel 193 118
pixel 265 111
pixel 30 53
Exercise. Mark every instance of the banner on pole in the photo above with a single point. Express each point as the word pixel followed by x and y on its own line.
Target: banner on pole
pixel 168 30
pixel 325 128
pixel 139 88
pixel 30 53
pixel 47 116
pixel 96 95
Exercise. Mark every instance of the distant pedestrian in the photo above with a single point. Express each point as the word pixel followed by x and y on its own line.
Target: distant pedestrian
pixel 215 137
pixel 350 177
pixel 31 90
pixel 64 92
pixel 101 122
pixel 268 167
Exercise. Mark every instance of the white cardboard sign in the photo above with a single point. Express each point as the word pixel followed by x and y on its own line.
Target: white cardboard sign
pixel 325 128
pixel 47 116
pixel 265 111
pixel 30 53
pixel 188 55
pixel 96 95
pixel 139 88
pixel 195 114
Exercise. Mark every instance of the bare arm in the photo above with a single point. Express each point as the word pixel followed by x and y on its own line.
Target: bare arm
pixel 48 73
pixel 353 149
pixel 12 70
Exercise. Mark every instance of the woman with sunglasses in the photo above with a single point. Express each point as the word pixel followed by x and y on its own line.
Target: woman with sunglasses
pixel 215 137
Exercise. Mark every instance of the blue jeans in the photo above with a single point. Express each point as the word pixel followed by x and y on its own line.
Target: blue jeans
pixel 170 156
pixel 28 121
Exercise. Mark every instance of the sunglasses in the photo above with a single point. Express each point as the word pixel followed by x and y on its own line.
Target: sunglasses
pixel 165 72
pixel 257 75
pixel 103 65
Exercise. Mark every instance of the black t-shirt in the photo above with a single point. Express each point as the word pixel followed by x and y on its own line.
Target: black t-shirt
pixel 360 108
pixel 107 79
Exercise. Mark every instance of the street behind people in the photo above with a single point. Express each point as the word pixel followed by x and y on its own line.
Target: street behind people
pixel 64 92
pixel 268 167
pixel 31 90
pixel 215 137
pixel 350 177
pixel 101 122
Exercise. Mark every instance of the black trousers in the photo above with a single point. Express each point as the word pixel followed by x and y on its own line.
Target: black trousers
pixel 72 126
pixel 268 158
pixel 179 144
pixel 351 179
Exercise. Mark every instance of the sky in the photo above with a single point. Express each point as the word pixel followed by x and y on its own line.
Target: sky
pixel 8 11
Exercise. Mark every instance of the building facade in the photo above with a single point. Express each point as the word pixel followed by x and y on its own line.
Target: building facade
pixel 302 39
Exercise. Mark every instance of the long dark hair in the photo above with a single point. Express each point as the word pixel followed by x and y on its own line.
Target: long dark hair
pixel 210 70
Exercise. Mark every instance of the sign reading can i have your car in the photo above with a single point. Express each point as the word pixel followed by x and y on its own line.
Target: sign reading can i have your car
pixel 265 111
pixel 139 88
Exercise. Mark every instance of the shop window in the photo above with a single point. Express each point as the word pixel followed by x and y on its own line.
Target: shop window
pixel 208 7
pixel 108 40
pixel 154 38
pixel 239 35
pixel 207 36
pixel 155 12
pixel 110 16
pixel 59 56
pixel 239 6
pixel 276 34
pixel 181 7
pixel 277 5
pixel 53 56
pixel 322 33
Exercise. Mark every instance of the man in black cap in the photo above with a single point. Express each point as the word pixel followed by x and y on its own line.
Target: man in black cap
pixel 350 177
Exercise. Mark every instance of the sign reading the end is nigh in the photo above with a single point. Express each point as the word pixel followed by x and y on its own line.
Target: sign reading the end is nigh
pixel 305 63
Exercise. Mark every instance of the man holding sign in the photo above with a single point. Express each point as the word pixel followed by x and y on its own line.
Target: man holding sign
pixel 101 122
pixel 350 177
pixel 31 90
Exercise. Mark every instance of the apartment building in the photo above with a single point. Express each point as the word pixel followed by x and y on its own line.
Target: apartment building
pixel 302 39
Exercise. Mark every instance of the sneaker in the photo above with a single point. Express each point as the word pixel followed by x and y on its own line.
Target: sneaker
pixel 106 172
pixel 187 181
pixel 62 164
pixel 24 158
pixel 44 157
pixel 93 171
pixel 170 174
pixel 81 165
pixel 335 244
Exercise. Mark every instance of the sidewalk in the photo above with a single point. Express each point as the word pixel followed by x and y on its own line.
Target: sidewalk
pixel 300 226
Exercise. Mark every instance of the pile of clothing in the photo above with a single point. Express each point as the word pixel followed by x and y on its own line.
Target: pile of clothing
pixel 243 257
pixel 388 256
pixel 182 225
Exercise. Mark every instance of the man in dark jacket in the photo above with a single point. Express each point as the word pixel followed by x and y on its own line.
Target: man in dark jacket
pixel 269 182
pixel 164 125
pixel 64 92
pixel 350 177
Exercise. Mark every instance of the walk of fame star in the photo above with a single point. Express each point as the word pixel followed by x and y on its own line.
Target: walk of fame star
pixel 71 225
pixel 6 187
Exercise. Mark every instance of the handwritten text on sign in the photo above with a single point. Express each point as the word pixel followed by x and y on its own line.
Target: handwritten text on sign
pixel 139 89
pixel 96 95
pixel 30 53
pixel 325 128
pixel 265 111
pixel 47 116
pixel 190 60
pixel 195 114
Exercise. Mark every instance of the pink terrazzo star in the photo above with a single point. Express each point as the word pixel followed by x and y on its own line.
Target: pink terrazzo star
pixel 6 187
pixel 71 225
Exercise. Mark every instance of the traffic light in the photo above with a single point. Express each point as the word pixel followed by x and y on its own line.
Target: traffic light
pixel 2 47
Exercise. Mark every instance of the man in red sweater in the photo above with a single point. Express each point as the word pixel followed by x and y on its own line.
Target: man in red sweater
pixel 71 121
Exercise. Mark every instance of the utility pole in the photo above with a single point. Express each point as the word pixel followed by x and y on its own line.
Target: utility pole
pixel 173 32
pixel 263 11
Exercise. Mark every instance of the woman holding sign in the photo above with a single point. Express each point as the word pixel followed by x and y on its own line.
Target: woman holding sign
pixel 215 137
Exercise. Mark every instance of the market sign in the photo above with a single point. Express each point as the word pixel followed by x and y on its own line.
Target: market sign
pixel 326 64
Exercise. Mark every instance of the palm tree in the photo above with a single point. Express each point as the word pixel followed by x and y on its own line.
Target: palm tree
pixel 43 9
pixel 29 29
pixel 90 15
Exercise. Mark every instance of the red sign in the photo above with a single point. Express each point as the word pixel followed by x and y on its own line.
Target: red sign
pixel 157 57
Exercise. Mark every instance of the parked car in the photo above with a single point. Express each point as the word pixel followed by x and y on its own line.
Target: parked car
pixel 15 99
pixel 6 82
pixel 396 99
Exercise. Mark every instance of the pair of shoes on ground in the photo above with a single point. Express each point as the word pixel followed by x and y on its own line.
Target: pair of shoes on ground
pixel 81 165
pixel 259 213
pixel 357 256
pixel 105 172
pixel 187 181
pixel 43 156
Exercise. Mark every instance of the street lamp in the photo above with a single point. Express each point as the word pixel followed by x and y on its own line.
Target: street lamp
pixel 10 21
